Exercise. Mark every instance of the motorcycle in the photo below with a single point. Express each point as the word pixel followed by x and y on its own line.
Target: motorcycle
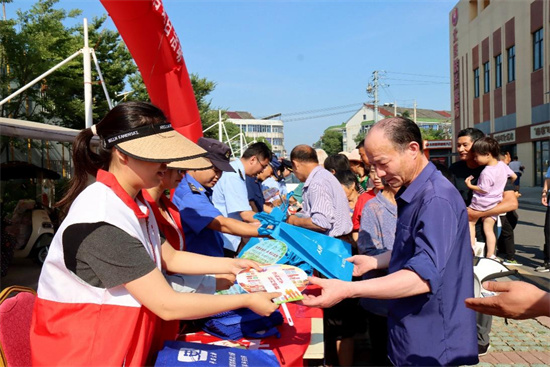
pixel 32 229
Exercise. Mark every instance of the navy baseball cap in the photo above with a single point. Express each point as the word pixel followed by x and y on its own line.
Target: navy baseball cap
pixel 218 153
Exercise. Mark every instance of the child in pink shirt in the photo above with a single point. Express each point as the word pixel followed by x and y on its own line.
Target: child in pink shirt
pixel 490 186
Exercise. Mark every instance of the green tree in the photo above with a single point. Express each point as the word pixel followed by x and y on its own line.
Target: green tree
pixel 432 134
pixel 36 41
pixel 359 137
pixel 406 114
pixel 264 140
pixel 331 142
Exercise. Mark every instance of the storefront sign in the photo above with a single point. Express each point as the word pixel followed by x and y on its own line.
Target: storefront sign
pixel 540 131
pixel 438 144
pixel 505 137
pixel 456 65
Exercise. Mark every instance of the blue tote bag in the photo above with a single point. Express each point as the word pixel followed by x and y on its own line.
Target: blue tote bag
pixel 326 254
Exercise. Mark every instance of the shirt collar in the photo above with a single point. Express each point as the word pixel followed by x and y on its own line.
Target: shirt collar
pixel 238 165
pixel 407 193
pixel 109 180
pixel 194 182
pixel 311 174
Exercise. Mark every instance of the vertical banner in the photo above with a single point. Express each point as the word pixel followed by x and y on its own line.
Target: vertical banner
pixel 149 35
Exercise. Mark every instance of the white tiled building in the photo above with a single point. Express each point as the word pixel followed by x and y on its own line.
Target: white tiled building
pixel 271 130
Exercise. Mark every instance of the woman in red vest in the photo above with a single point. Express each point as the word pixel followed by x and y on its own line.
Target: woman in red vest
pixel 101 290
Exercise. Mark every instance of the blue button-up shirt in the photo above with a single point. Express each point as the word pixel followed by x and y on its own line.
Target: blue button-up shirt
pixel 197 212
pixel 326 203
pixel 231 198
pixel 432 239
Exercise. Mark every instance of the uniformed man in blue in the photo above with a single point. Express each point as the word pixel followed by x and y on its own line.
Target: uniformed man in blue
pixel 202 223
pixel 230 194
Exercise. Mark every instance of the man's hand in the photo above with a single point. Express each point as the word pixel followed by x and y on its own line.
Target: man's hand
pixel 362 264
pixel 332 292
pixel 516 300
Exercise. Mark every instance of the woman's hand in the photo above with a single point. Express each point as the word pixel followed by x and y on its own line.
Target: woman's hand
pixel 224 281
pixel 239 265
pixel 262 304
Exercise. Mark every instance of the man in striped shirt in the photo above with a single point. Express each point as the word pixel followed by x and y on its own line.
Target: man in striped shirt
pixel 325 209
pixel 325 205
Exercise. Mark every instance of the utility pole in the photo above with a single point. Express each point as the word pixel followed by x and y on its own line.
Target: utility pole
pixel 414 112
pixel 372 89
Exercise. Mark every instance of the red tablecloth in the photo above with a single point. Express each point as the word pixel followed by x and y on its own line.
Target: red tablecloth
pixel 290 347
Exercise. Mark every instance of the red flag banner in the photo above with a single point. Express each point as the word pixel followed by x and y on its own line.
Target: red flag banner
pixel 156 49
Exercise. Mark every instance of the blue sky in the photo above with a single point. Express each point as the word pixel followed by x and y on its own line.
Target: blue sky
pixel 287 57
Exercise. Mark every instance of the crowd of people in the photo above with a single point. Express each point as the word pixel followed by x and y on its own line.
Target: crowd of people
pixel 158 233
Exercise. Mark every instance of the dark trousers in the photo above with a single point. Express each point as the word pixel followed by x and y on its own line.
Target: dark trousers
pixel 506 242
pixel 547 235
pixel 484 323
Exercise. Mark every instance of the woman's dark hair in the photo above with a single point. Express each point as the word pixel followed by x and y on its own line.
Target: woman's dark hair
pixel 123 117
pixel 486 145
pixel 347 178
pixel 337 163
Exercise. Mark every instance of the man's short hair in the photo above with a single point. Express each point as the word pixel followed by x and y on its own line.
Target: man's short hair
pixel 304 153
pixel 472 132
pixel 259 150
pixel 361 144
pixel 401 131
pixel 486 145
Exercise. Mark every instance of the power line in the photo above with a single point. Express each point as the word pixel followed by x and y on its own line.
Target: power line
pixel 322 109
pixel 418 81
pixel 422 75
pixel 320 116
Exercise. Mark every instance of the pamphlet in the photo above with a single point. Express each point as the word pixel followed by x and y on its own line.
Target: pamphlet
pixel 286 279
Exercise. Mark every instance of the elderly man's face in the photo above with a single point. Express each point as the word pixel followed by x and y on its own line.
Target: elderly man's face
pixel 395 167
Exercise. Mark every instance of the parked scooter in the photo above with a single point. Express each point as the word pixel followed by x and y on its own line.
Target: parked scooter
pixel 33 230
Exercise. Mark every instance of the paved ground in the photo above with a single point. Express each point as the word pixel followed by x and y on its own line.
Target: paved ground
pixel 525 342
pixel 516 343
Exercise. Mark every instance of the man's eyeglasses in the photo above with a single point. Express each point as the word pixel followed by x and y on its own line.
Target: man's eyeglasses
pixel 264 166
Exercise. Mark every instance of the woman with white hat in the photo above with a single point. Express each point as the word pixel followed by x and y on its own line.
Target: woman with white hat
pixel 101 291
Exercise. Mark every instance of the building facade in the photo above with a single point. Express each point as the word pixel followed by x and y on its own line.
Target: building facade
pixel 362 120
pixel 271 130
pixel 500 77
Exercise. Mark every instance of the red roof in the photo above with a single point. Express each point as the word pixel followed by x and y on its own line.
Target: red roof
pixel 444 113
pixel 233 115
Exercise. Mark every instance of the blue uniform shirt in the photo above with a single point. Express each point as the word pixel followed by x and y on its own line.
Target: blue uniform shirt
pixel 231 198
pixel 197 212
pixel 255 193
pixel 432 239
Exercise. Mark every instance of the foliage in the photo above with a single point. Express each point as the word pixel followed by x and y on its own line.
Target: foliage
pixel 38 40
pixel 264 140
pixel 331 142
pixel 432 134
pixel 406 114
pixel 359 137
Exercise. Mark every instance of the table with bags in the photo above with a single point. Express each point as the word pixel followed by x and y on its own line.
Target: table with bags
pixel 241 338
pixel 279 345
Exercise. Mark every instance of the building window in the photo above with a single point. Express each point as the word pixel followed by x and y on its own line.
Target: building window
pixel 364 117
pixel 486 77
pixel 511 64
pixel 537 50
pixel 498 71
pixel 476 83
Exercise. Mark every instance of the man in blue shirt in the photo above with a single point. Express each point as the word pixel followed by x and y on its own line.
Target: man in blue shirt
pixel 230 195
pixel 202 223
pixel 430 266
